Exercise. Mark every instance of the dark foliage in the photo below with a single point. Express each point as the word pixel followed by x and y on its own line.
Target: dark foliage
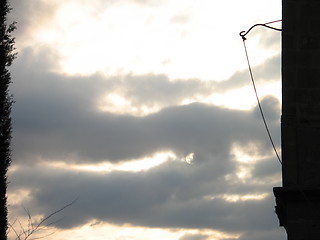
pixel 6 58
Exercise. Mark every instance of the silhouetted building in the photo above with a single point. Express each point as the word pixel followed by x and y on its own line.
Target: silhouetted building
pixel 298 201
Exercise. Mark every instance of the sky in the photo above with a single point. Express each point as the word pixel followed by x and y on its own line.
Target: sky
pixel 142 115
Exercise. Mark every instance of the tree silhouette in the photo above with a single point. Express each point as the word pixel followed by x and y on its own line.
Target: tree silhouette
pixel 33 227
pixel 6 57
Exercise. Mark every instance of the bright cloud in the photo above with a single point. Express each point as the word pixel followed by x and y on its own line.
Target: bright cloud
pixel 168 38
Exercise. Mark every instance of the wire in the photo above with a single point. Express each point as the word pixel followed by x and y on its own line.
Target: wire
pixel 243 34
pixel 299 189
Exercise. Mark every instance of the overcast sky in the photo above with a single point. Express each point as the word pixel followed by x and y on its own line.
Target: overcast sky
pixel 143 111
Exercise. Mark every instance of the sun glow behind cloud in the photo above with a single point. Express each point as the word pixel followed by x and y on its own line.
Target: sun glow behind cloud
pixel 98 230
pixel 238 197
pixel 246 157
pixel 134 165
pixel 167 39
pixel 115 103
pixel 190 158
pixel 132 38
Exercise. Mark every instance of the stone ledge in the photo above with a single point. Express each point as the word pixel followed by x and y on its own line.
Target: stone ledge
pixel 297 193
pixel 295 196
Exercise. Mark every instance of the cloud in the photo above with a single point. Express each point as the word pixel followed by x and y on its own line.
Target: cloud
pixel 264 235
pixel 57 117
pixel 181 18
pixel 270 39
pixel 271 108
pixel 268 71
pixel 57 131
pixel 194 237
pixel 171 196
pixel 265 168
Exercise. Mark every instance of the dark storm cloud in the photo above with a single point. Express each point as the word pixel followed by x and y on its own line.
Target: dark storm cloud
pixel 58 131
pixel 171 195
pixel 56 117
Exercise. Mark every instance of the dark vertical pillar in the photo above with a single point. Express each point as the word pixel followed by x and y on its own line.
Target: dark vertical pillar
pixel 298 201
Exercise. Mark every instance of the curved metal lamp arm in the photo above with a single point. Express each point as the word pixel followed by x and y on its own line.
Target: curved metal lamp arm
pixel 244 33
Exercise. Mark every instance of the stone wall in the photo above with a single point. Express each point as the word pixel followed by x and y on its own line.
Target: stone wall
pixel 301 92
pixel 298 201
